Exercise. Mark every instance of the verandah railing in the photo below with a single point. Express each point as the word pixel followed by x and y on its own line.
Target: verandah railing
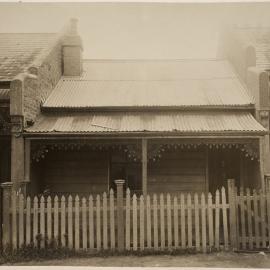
pixel 158 222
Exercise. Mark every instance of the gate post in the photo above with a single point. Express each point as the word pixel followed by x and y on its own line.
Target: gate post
pixel 120 214
pixel 6 204
pixel 232 213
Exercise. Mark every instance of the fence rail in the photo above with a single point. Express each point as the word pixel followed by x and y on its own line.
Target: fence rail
pixel 203 222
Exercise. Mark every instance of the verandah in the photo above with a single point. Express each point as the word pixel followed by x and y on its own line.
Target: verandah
pixel 147 165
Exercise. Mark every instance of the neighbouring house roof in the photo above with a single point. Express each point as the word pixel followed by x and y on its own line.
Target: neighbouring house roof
pixel 259 38
pixel 182 122
pixel 150 83
pixel 18 51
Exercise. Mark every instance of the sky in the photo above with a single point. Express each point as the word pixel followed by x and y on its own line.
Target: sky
pixel 137 30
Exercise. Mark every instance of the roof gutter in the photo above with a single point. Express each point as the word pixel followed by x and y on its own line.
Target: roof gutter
pixel 149 135
pixel 147 108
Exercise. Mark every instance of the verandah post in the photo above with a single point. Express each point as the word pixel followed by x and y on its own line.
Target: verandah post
pixel 232 213
pixel 6 204
pixel 144 167
pixel 120 214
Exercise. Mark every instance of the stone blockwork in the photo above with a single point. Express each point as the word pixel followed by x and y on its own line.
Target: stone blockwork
pixel 244 52
pixel 30 89
pixel 36 90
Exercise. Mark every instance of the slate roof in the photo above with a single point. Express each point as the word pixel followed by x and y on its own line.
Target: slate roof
pixel 259 37
pixel 18 51
pixel 150 83
pixel 173 122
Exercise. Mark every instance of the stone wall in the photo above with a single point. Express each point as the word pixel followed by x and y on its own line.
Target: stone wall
pixel 36 90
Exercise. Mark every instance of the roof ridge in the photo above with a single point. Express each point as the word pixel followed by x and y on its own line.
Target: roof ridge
pixel 63 78
pixel 27 33
pixel 151 59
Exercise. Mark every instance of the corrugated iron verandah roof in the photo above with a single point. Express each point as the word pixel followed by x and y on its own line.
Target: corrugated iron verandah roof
pixel 148 122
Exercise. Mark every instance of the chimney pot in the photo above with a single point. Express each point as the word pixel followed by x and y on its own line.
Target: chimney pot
pixel 73 26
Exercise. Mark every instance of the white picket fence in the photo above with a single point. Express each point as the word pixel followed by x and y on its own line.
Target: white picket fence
pixel 158 222
pixel 236 220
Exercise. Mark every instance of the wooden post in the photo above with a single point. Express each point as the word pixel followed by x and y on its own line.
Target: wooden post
pixel 261 141
pixel 232 213
pixel 17 160
pixel 144 167
pixel 120 214
pixel 23 188
pixel 6 203
pixel 27 160
pixel 243 178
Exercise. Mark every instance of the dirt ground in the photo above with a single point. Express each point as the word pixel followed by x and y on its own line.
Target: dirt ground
pixel 250 260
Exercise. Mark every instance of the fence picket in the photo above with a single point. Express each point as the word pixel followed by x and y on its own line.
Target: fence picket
pixel 42 222
pixel 70 222
pixel 210 220
pixel 236 196
pixel 91 223
pixel 28 221
pixel 128 219
pixel 203 212
pixel 49 219
pixel 263 225
pixel 112 227
pixel 249 220
pixel 141 223
pixel 183 222
pixel 162 225
pixel 98 231
pixel 155 222
pixel 134 220
pixel 21 220
pixel 35 221
pixel 55 219
pixel 84 224
pixel 242 218
pixel 256 218
pixel 197 222
pixel 224 218
pixel 77 223
pixel 148 222
pixel 105 221
pixel 14 219
pixel 217 200
pixel 175 222
pixel 63 221
pixel 189 220
pixel 169 221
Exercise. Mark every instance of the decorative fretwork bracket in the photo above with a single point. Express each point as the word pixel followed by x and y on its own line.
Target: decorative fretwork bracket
pixel 250 148
pixel 40 150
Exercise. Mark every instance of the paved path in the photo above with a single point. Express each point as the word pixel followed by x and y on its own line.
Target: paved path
pixel 217 260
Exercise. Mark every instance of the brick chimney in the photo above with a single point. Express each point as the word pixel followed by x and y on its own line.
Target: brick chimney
pixel 72 50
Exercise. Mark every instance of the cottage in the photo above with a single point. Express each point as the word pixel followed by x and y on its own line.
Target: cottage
pixel 161 125
pixel 183 127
